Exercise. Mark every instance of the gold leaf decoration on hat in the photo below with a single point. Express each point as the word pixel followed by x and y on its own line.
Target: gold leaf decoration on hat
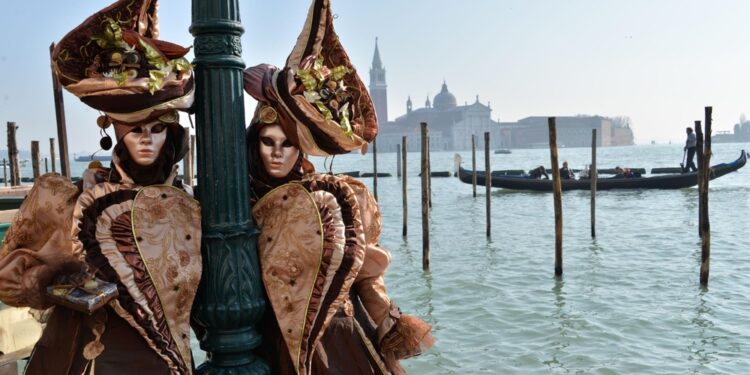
pixel 111 37
pixel 325 89
pixel 323 104
pixel 120 70
pixel 115 63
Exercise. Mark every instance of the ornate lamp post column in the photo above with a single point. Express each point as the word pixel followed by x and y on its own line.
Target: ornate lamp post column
pixel 230 299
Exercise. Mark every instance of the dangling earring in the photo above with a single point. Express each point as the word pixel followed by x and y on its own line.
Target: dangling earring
pixel 106 142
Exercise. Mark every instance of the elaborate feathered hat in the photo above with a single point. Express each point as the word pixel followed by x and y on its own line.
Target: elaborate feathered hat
pixel 318 97
pixel 115 63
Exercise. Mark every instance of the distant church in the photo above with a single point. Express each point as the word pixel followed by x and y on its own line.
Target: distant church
pixel 451 126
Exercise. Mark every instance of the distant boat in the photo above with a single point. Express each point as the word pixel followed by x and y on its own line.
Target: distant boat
pixel 502 151
pixel 86 158
pixel 21 162
pixel 370 174
pixel 669 181
pixel 438 174
pixel 544 145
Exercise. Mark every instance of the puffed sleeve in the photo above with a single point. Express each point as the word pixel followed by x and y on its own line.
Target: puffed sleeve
pixel 369 283
pixel 38 243
pixel 400 335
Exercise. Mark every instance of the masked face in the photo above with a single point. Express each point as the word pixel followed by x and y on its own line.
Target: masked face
pixel 277 152
pixel 144 143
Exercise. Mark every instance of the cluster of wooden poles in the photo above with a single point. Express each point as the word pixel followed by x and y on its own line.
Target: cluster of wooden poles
pixel 13 163
pixel 703 152
pixel 401 171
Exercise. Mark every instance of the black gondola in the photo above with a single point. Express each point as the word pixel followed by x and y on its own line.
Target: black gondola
pixel 672 181
pixel 86 158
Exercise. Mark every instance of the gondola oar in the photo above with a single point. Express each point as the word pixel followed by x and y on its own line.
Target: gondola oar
pixel 684 154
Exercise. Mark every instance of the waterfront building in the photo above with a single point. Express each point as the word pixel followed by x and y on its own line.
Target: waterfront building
pixel 451 125
pixel 572 131
pixel 741 133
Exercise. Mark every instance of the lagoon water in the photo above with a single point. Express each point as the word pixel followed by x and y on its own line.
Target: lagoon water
pixel 629 301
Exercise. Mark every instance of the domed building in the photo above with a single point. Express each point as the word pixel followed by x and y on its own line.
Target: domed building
pixel 444 100
pixel 450 125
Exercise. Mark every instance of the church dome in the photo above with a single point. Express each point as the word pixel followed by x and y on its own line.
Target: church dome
pixel 444 100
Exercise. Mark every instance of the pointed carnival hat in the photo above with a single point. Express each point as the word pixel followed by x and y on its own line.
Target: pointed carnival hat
pixel 115 63
pixel 318 97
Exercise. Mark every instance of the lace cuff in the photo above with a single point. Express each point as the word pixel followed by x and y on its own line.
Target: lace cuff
pixel 403 336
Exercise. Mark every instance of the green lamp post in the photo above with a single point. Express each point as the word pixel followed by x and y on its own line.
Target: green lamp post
pixel 230 298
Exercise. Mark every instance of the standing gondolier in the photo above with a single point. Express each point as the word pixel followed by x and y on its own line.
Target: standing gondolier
pixel 690 149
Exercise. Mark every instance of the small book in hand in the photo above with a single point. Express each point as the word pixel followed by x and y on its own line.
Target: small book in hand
pixel 87 296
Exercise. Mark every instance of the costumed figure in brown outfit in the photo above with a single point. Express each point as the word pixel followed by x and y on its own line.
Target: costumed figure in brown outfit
pixel 322 267
pixel 115 260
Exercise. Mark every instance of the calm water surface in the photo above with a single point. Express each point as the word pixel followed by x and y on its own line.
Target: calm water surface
pixel 629 301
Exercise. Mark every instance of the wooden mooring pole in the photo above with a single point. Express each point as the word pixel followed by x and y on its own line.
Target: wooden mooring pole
pixel 46 165
pixel 187 163
pixel 699 157
pixel 425 201
pixel 487 181
pixel 35 159
pixel 398 161
pixel 375 168
pixel 15 168
pixel 557 188
pixel 703 203
pixel 62 132
pixel 53 159
pixel 5 172
pixel 474 164
pixel 429 176
pixel 403 185
pixel 593 176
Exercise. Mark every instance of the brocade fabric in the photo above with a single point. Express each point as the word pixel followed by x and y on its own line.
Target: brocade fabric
pixel 323 273
pixel 144 239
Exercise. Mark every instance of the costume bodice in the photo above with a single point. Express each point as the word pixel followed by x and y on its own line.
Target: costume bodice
pixel 146 240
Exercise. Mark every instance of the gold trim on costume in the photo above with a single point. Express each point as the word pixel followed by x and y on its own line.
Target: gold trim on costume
pixel 187 359
pixel 317 268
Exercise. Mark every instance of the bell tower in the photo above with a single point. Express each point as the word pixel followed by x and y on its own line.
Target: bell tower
pixel 378 87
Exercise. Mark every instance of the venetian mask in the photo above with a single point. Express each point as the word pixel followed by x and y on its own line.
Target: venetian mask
pixel 278 153
pixel 144 142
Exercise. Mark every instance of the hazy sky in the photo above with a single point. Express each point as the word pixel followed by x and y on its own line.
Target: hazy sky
pixel 659 62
